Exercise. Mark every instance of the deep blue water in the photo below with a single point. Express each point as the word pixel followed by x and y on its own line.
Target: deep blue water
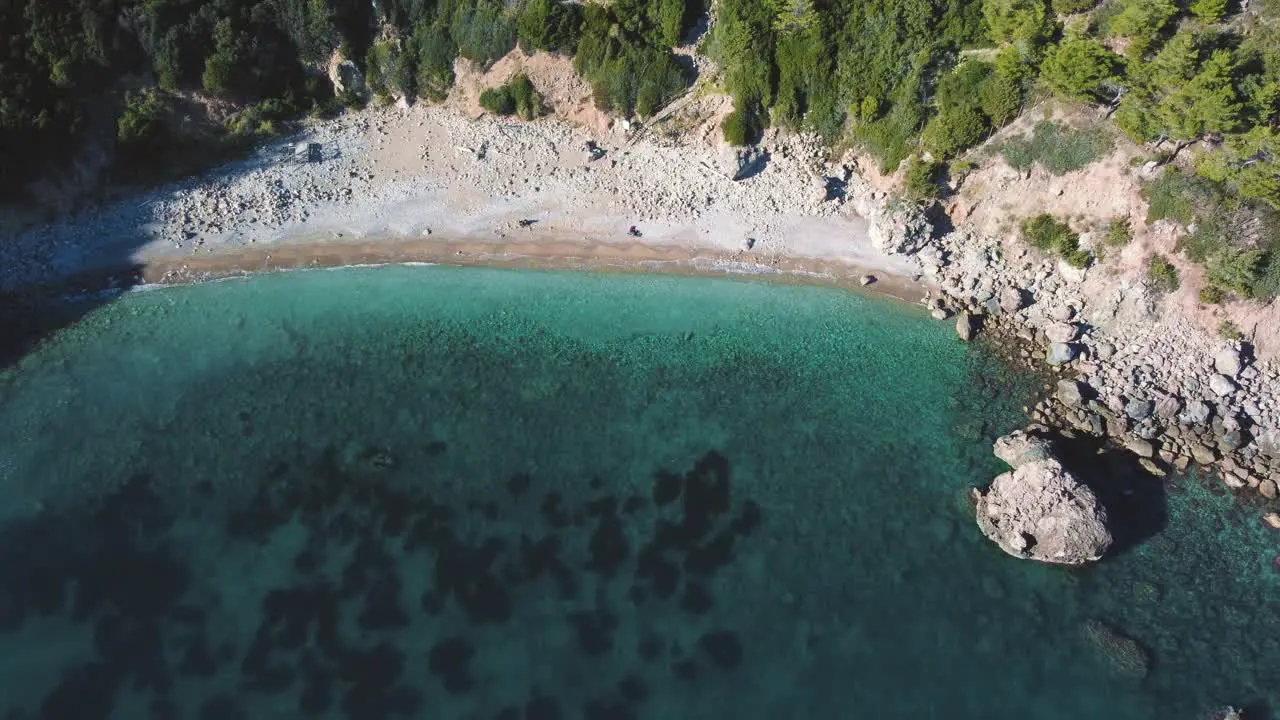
pixel 462 493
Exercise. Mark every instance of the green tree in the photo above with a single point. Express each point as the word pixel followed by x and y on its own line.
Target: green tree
pixel 1000 99
pixel 1142 21
pixel 1210 11
pixel 1024 22
pixel 1079 68
pixel 954 129
pixel 1208 103
pixel 921 179
pixel 434 62
pixel 220 68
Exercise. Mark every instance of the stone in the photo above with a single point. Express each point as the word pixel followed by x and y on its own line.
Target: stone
pixel 1167 406
pixel 1039 511
pixel 1139 408
pixel 1140 447
pixel 1071 273
pixel 1272 519
pixel 1268 442
pixel 1010 300
pixel 966 326
pixel 1202 454
pixel 1105 351
pixel 866 280
pixel 1151 467
pixel 1062 313
pixel 1181 463
pixel 1196 413
pixel 1061 332
pixel 1232 480
pixel 1071 393
pixel 1221 385
pixel 1147 429
pixel 1020 447
pixel 1060 354
pixel 1267 489
pixel 1227 362
pixel 940 314
pixel 1230 441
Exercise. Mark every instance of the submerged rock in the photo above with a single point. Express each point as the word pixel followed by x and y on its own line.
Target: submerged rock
pixel 1121 652
pixel 1039 511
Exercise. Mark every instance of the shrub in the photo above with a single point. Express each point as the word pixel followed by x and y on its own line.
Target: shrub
pixel 515 97
pixel 141 122
pixel 1119 232
pixel 1162 274
pixel 1047 233
pixel 527 100
pixel 1212 295
pixel 741 127
pixel 1266 285
pixel 498 101
pixel 1235 270
pixel 1177 196
pixel 1059 150
pixel 1228 330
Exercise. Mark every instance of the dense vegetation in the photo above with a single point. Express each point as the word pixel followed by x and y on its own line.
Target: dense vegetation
pixel 907 80
pixel 64 64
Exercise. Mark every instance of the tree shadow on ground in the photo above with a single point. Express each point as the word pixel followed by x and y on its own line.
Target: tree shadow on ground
pixel 32 313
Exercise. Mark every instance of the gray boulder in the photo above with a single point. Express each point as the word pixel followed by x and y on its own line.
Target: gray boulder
pixel 1039 511
pixel 1268 442
pixel 1196 413
pixel 1061 332
pixel 1060 354
pixel 1010 300
pixel 1139 408
pixel 345 77
pixel 1070 393
pixel 1221 384
pixel 1228 362
pixel 899 228
pixel 966 326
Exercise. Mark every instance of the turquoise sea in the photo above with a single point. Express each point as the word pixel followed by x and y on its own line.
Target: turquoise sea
pixel 426 492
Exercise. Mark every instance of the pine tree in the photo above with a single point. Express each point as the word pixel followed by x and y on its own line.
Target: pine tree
pixel 1078 68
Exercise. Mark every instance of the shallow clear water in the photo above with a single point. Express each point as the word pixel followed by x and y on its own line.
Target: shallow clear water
pixel 447 493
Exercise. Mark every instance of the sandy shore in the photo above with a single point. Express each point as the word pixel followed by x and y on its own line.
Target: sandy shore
pixel 540 254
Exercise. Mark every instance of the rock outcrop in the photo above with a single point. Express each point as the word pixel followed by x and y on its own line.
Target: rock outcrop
pixel 898 228
pixel 1039 510
pixel 345 76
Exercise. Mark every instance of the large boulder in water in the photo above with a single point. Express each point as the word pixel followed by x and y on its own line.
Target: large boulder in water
pixel 1039 511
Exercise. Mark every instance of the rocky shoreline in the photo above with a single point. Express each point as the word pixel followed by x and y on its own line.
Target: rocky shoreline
pixel 1155 386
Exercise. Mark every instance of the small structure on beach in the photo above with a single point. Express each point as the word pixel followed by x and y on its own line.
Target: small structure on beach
pixel 307 152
